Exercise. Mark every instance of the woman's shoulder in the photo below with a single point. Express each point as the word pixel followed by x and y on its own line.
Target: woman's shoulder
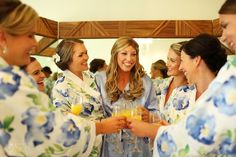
pixel 100 76
pixel 147 78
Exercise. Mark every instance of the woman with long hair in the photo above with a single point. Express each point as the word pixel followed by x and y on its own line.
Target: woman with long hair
pixel 125 80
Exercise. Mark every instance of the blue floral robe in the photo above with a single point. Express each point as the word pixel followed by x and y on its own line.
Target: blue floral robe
pixel 180 102
pixel 148 100
pixel 68 87
pixel 29 124
pixel 209 129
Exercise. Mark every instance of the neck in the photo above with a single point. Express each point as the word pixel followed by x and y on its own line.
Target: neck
pixel 78 73
pixel 203 82
pixel 179 80
pixel 123 79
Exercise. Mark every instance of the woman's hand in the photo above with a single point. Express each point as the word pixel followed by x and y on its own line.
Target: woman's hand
pixel 143 129
pixel 145 113
pixel 163 122
pixel 112 124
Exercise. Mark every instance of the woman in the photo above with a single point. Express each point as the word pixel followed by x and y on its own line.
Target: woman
pixel 173 94
pixel 97 65
pixel 29 125
pixel 78 84
pixel 159 70
pixel 203 132
pixel 34 69
pixel 125 79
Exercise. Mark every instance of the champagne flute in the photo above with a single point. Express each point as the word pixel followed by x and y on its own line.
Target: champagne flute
pixel 117 111
pixel 154 117
pixel 77 104
pixel 137 115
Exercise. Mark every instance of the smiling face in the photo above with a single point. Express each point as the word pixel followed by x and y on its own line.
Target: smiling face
pixel 228 24
pixel 80 58
pixel 173 62
pixel 19 47
pixel 126 59
pixel 188 67
pixel 34 69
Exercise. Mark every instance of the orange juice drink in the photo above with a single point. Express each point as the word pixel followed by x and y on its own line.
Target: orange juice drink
pixel 76 109
pixel 126 113
pixel 137 117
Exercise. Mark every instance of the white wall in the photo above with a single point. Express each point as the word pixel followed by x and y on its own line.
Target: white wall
pixel 87 10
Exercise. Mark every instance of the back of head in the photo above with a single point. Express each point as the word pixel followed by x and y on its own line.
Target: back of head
pixel 161 65
pixel 16 18
pixel 65 51
pixel 46 69
pixel 229 7
pixel 96 64
pixel 210 50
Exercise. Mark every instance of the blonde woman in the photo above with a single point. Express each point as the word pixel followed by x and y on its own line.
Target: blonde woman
pixel 125 79
pixel 174 96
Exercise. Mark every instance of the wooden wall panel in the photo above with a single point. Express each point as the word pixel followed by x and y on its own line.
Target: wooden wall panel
pixel 191 28
pixel 48 52
pixel 137 29
pixel 115 29
pixel 216 27
pixel 47 28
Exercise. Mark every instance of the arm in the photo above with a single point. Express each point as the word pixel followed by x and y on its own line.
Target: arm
pixel 204 131
pixel 25 110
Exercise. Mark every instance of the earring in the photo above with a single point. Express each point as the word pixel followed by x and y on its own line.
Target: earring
pixel 4 50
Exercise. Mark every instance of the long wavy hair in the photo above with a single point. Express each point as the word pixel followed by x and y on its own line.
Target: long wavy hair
pixel 137 72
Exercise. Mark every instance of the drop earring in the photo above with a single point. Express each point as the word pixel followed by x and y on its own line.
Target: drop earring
pixel 4 50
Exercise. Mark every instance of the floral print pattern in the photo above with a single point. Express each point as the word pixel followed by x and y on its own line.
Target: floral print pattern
pixel 227 146
pixel 37 124
pixel 5 129
pixel 201 128
pixel 9 84
pixel 70 133
pixel 69 87
pixel 65 93
pixel 225 99
pixel 165 145
pixel 180 102
pixel 210 128
pixel 30 126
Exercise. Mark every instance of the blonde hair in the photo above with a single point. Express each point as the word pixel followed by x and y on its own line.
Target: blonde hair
pixel 137 72
pixel 177 47
pixel 20 20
